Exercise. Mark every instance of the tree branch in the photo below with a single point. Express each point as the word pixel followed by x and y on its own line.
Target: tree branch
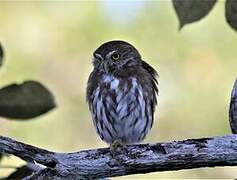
pixel 233 109
pixel 134 159
pixel 142 158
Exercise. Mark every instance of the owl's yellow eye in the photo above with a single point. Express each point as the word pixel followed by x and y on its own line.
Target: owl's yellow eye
pixel 115 56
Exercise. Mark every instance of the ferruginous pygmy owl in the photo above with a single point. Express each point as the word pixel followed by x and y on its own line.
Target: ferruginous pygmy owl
pixel 121 93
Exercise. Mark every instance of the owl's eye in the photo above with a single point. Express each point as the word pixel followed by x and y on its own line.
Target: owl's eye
pixel 115 56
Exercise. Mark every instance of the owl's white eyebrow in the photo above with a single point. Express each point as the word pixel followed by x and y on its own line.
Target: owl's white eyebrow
pixel 98 56
pixel 110 53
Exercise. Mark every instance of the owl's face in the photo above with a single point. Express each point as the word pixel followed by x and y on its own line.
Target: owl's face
pixel 114 55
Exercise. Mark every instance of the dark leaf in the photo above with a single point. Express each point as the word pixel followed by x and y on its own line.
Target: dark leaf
pixel 231 13
pixel 20 173
pixel 26 100
pixel 233 109
pixel 189 11
pixel 1 55
pixel 2 154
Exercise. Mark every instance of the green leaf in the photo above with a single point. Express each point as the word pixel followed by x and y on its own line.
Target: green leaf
pixel 189 11
pixel 231 13
pixel 27 100
pixel 20 173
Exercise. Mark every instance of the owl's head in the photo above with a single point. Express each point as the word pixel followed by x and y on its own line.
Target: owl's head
pixel 114 55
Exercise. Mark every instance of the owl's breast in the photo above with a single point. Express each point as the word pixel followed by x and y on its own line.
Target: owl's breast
pixel 121 97
pixel 120 109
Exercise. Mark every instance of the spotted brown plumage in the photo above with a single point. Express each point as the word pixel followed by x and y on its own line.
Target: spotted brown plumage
pixel 121 93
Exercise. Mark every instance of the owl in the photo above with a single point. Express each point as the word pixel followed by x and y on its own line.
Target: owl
pixel 121 93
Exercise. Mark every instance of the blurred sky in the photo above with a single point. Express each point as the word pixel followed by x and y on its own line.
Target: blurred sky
pixel 53 41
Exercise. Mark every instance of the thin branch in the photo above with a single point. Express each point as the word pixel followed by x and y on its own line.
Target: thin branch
pixel 233 109
pixel 142 158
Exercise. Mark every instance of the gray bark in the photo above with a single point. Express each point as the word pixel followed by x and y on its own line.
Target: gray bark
pixel 134 159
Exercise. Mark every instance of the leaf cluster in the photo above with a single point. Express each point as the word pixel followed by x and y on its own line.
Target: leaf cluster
pixel 189 11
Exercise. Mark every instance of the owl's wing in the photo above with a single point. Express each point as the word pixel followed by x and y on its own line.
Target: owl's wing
pixel 91 85
pixel 153 74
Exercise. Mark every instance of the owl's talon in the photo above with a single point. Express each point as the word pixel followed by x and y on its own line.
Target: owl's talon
pixel 117 144
pixel 117 147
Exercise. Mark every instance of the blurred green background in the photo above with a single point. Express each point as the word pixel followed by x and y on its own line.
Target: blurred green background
pixel 53 41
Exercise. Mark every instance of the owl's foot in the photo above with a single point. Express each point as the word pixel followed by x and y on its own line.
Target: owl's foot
pixel 117 147
pixel 117 144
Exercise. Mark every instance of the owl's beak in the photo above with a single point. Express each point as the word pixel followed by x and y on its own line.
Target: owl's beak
pixel 105 64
